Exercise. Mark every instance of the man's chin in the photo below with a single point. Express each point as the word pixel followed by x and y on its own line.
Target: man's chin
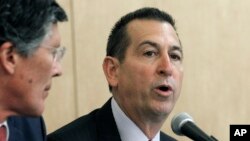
pixel 36 112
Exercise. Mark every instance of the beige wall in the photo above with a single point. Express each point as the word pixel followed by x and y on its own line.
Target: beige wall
pixel 215 37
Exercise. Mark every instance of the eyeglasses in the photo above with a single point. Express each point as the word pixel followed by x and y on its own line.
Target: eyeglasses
pixel 57 53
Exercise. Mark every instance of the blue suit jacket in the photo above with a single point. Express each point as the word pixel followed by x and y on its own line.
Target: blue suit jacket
pixel 99 125
pixel 26 129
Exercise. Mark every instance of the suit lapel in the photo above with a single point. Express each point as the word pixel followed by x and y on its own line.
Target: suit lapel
pixel 107 128
pixel 165 137
pixel 14 133
pixel 26 129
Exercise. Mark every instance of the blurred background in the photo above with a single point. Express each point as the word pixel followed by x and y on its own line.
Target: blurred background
pixel 215 38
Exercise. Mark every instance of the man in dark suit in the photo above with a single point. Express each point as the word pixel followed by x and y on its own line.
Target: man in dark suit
pixel 30 52
pixel 143 67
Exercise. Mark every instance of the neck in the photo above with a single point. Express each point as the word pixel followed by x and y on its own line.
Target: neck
pixel 149 128
pixel 150 124
pixel 3 116
pixel 4 113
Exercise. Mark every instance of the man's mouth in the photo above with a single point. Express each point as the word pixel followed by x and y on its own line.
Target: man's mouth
pixel 164 90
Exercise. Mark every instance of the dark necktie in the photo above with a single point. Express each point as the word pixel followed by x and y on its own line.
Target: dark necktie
pixel 2 133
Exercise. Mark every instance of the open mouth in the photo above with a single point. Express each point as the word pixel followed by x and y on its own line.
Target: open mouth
pixel 164 88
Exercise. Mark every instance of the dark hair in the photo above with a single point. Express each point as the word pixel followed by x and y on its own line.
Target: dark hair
pixel 25 23
pixel 119 40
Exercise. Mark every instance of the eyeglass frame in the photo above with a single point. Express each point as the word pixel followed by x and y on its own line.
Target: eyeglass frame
pixel 58 52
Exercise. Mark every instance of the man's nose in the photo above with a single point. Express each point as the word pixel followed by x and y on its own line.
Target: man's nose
pixel 57 69
pixel 165 66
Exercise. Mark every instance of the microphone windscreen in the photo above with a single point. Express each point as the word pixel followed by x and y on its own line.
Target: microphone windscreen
pixel 178 121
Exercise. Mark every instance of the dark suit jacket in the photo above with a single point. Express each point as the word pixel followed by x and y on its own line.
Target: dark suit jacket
pixel 26 129
pixel 99 125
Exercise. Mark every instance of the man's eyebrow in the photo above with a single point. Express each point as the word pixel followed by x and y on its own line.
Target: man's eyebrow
pixel 154 44
pixel 151 43
pixel 178 48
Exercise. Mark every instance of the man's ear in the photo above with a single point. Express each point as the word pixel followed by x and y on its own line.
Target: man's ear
pixel 7 57
pixel 111 68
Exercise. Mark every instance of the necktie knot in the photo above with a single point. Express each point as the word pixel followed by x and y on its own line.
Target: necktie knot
pixel 3 133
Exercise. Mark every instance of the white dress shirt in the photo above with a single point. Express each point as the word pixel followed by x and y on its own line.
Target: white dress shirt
pixel 128 130
pixel 7 128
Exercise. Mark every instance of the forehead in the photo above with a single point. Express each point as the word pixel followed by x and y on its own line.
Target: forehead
pixel 159 31
pixel 53 37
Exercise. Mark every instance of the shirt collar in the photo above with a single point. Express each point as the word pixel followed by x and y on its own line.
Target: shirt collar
pixel 6 126
pixel 128 130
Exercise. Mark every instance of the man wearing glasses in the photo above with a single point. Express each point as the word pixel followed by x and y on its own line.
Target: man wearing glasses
pixel 30 54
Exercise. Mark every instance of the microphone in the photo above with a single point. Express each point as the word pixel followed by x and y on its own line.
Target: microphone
pixel 183 124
